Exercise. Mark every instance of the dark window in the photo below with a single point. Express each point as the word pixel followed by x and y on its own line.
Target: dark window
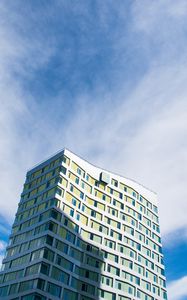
pixel 44 269
pixel 89 247
pixel 84 287
pixel 41 284
pixel 63 170
pixel 49 240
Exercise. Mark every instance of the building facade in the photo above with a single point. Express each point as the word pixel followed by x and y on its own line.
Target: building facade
pixel 83 233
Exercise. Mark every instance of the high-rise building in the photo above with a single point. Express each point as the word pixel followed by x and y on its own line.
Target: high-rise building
pixel 83 233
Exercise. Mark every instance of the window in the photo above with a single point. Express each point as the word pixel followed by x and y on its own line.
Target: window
pixel 58 191
pixel 44 268
pixel 13 289
pixel 67 295
pixel 49 240
pixel 88 247
pixel 34 269
pixel 118 225
pixel 79 171
pixel 4 291
pixel 93 213
pixel 60 275
pixel 26 285
pixel 66 222
pixel 134 194
pixel 84 287
pixel 48 254
pixel 63 170
pixel 61 246
pixel 54 289
pixel 66 264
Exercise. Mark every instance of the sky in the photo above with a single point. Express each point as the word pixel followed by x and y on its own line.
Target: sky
pixel 106 79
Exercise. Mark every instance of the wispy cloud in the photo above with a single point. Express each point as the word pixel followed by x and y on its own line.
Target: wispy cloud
pixel 2 250
pixel 178 289
pixel 144 138
pixel 2 246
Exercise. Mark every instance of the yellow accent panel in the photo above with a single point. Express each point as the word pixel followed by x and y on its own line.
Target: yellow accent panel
pixel 87 187
pixel 72 176
pixel 76 191
pixel 100 195
pixel 69 198
pixel 74 167
pixel 90 201
pixel 64 182
pixel 87 210
pixel 67 209
pixel 102 185
pixel 97 226
pixel 98 216
pixel 85 234
pixel 101 206
pixel 91 180
pixel 116 193
pixel 83 219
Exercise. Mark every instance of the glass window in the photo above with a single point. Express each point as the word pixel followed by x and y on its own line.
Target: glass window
pixel 44 268
pixel 53 289
pixel 60 275
pixel 13 289
pixel 26 285
pixel 67 295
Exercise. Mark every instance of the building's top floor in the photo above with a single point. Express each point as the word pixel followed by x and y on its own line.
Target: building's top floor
pixel 99 174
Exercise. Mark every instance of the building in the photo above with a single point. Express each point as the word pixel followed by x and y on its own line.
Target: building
pixel 83 233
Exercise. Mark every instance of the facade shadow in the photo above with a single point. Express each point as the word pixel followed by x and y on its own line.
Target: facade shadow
pixel 61 263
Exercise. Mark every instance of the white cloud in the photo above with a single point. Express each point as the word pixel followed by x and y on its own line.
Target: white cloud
pixel 1 258
pixel 177 289
pixel 19 130
pixel 144 138
pixel 2 246
pixel 2 251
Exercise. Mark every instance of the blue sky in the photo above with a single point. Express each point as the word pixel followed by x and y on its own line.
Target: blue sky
pixel 106 79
